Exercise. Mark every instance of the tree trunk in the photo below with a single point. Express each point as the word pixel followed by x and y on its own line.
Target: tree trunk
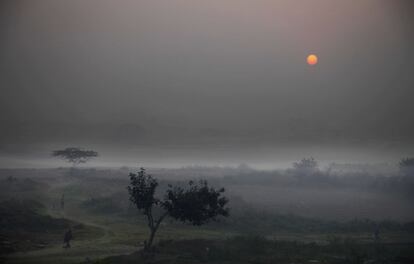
pixel 151 238
pixel 153 230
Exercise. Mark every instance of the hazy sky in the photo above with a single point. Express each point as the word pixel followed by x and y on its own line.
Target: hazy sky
pixel 207 75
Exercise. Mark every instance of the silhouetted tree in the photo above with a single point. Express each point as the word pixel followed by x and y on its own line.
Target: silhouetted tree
pixel 306 164
pixel 196 204
pixel 75 155
pixel 305 167
pixel 407 166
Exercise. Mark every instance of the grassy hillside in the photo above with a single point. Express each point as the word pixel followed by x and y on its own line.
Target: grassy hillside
pixel 25 226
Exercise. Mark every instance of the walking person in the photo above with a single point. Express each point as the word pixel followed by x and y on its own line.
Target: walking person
pixel 67 238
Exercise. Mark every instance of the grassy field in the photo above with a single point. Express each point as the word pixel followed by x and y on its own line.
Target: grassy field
pixel 108 230
pixel 255 249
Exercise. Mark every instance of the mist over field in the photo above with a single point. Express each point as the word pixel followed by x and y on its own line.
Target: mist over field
pixel 223 77
pixel 187 131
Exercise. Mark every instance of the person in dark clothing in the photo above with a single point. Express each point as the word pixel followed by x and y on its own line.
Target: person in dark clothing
pixel 67 238
pixel 376 234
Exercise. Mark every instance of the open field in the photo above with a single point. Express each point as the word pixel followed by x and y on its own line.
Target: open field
pixel 105 225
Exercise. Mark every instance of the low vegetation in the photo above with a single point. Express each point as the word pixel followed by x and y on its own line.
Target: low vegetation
pixel 26 226
pixel 108 228
pixel 256 249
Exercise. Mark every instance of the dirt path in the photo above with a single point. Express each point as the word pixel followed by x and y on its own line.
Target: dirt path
pixel 80 251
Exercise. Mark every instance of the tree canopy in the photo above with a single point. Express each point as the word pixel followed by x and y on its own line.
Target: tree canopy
pixel 75 155
pixel 197 204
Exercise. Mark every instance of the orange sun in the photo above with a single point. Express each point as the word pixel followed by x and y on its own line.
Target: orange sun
pixel 312 59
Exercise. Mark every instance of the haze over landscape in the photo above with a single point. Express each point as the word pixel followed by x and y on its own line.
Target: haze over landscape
pixel 217 82
pixel 219 131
